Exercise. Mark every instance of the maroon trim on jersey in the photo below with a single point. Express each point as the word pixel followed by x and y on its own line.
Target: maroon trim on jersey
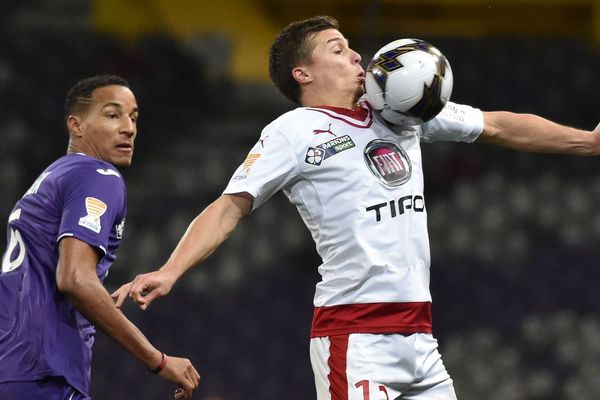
pixel 362 113
pixel 403 318
pixel 338 380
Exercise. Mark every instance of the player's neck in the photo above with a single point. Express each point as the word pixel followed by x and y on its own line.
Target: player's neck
pixel 72 148
pixel 315 100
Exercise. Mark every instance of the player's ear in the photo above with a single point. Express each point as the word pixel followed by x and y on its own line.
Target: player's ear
pixel 74 125
pixel 301 75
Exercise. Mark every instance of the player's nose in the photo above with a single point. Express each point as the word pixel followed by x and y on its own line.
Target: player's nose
pixel 128 126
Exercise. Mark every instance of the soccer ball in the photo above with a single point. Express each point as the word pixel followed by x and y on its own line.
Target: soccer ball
pixel 408 81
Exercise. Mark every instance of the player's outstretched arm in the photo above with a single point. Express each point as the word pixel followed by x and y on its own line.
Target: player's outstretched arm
pixel 204 235
pixel 528 132
pixel 76 278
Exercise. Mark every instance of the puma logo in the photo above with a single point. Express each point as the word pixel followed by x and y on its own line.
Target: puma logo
pixel 328 130
pixel 262 141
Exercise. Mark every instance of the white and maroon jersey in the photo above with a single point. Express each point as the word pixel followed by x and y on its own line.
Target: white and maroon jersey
pixel 358 186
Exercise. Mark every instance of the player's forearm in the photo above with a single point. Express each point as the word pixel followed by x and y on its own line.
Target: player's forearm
pixel 206 233
pixel 200 240
pixel 527 132
pixel 76 278
pixel 93 301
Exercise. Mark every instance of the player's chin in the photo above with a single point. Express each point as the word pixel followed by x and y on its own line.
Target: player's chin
pixel 123 161
pixel 360 90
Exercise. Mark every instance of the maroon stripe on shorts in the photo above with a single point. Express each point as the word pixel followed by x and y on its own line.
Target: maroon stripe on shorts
pixel 338 380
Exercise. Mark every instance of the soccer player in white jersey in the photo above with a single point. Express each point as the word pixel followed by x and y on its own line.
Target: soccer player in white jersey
pixel 357 183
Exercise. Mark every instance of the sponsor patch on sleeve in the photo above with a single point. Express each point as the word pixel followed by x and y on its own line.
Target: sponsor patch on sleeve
pixel 119 228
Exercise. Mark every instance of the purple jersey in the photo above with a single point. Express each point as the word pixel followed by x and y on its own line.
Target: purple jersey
pixel 41 332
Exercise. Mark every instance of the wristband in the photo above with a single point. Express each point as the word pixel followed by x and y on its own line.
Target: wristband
pixel 163 364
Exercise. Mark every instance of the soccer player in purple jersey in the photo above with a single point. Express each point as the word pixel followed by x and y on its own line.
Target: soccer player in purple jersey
pixel 62 238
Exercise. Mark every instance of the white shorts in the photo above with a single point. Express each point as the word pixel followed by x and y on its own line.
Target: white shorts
pixel 379 367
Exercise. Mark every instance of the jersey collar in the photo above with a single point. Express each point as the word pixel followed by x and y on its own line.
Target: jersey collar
pixel 361 116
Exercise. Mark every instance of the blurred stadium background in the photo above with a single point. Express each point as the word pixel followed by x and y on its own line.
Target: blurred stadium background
pixel 514 237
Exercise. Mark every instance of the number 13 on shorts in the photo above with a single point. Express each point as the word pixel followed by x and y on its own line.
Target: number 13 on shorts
pixel 366 391
pixel 379 367
pixel 342 372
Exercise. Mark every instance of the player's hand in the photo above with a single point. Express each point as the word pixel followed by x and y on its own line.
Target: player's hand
pixel 596 143
pixel 182 372
pixel 145 288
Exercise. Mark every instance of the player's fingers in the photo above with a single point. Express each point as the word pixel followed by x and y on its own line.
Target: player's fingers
pixel 149 296
pixel 116 292
pixel 189 383
pixel 137 289
pixel 144 306
pixel 120 290
pixel 184 393
pixel 121 294
pixel 196 376
pixel 191 377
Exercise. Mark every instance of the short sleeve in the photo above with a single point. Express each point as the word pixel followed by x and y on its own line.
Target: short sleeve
pixel 93 201
pixel 270 166
pixel 455 123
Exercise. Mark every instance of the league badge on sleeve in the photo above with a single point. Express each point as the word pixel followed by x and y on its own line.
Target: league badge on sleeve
pixel 249 162
pixel 244 169
pixel 95 208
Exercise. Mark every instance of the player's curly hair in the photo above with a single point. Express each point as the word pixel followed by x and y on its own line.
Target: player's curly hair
pixel 79 96
pixel 291 48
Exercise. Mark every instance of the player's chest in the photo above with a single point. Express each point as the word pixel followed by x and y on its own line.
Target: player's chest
pixel 368 152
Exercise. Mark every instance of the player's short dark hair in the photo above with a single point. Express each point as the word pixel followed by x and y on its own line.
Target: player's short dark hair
pixel 80 95
pixel 291 48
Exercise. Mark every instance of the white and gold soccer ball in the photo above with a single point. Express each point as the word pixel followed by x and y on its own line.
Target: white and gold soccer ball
pixel 408 81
